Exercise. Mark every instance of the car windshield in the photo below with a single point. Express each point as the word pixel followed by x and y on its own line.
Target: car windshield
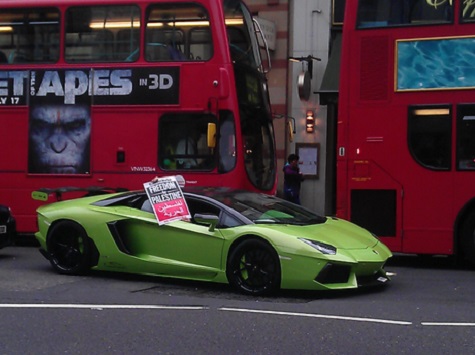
pixel 261 208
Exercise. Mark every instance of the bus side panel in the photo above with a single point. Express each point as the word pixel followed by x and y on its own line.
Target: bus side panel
pixel 14 162
pixel 375 192
pixel 14 146
pixel 124 142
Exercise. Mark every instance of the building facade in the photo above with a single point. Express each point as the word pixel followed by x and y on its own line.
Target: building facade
pixel 303 85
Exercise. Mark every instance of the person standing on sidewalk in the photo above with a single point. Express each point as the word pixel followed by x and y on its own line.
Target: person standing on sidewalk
pixel 292 179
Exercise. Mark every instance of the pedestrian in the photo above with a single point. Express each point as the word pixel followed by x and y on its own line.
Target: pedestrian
pixel 292 179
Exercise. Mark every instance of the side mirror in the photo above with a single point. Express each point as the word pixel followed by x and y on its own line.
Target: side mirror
pixel 208 219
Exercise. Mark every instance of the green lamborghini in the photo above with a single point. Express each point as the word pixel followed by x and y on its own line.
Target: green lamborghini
pixel 255 242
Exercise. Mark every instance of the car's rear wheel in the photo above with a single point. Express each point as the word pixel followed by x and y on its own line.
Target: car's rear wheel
pixel 254 268
pixel 69 248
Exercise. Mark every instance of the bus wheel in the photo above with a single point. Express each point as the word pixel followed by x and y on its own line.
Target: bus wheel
pixel 468 239
pixel 254 268
pixel 69 248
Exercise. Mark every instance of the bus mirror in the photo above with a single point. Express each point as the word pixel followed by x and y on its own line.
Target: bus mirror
pixel 211 139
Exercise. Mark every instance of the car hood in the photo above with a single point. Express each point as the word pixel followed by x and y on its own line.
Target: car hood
pixel 337 232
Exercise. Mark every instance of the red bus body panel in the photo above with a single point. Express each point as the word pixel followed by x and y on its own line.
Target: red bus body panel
pixel 374 160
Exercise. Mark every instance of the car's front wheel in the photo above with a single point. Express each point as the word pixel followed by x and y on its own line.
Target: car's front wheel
pixel 254 268
pixel 69 248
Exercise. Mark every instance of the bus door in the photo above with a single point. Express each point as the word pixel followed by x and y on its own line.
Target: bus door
pixel 376 201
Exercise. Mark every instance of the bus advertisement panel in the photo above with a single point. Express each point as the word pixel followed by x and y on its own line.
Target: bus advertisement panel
pixel 99 95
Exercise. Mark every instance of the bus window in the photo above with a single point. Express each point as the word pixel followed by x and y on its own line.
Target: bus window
pixel 102 34
pixel 239 46
pixel 429 136
pixel 177 32
pixel 227 143
pixel 383 13
pixel 239 27
pixel 201 45
pixel 29 35
pixel 467 10
pixel 257 133
pixel 183 142
pixel 465 134
pixel 164 45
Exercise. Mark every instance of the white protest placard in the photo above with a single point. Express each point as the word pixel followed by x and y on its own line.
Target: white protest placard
pixel 167 199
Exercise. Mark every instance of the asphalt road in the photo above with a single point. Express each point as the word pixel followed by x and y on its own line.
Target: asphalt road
pixel 428 308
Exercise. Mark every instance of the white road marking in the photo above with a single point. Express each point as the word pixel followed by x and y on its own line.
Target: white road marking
pixel 312 315
pixel 99 306
pixel 449 324
pixel 242 310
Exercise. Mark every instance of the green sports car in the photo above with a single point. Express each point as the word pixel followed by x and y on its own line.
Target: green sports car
pixel 255 242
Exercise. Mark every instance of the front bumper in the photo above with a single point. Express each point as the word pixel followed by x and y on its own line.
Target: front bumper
pixel 346 270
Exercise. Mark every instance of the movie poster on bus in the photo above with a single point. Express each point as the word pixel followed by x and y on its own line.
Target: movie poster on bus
pixel 157 85
pixel 59 128
pixel 167 200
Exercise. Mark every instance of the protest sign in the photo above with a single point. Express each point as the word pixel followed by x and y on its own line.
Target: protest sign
pixel 167 199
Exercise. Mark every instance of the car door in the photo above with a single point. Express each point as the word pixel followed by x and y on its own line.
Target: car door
pixel 180 248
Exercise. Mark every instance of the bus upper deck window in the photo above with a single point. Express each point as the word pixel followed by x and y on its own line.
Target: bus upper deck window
pixel 384 13
pixel 102 34
pixel 467 11
pixel 29 36
pixel 178 32
pixel 243 44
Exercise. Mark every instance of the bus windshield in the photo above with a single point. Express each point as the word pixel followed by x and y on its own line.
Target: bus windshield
pixel 253 96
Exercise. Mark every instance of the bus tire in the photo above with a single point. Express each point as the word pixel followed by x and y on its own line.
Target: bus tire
pixel 467 242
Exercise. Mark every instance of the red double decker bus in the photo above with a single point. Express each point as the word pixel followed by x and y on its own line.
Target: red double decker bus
pixel 112 94
pixel 406 132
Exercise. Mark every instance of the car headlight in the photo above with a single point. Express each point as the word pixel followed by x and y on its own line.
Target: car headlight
pixel 321 247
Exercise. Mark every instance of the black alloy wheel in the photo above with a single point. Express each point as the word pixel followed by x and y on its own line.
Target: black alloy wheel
pixel 254 268
pixel 69 248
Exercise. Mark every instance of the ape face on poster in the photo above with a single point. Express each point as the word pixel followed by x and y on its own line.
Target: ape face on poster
pixel 59 136
pixel 59 128
pixel 60 104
